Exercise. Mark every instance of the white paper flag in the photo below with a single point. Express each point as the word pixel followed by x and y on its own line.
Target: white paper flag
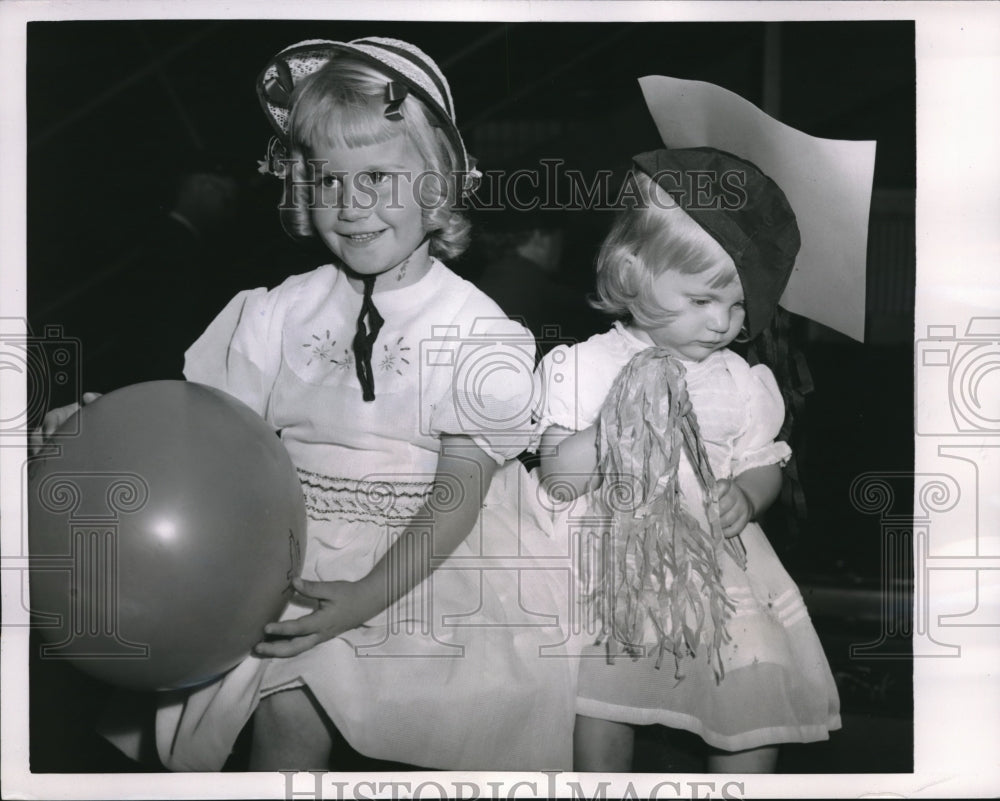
pixel 827 181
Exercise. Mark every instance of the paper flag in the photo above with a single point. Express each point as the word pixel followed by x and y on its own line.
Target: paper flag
pixel 827 181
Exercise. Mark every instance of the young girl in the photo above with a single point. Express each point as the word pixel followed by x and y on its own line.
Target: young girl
pixel 703 629
pixel 405 640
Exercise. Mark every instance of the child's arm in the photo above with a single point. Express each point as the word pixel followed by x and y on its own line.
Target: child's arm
pixel 569 458
pixel 463 476
pixel 745 497
pixel 569 461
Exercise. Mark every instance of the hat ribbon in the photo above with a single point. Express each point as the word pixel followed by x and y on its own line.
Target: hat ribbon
pixel 395 94
pixel 278 88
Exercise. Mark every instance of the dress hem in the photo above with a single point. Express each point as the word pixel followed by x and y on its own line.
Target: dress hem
pixel 757 738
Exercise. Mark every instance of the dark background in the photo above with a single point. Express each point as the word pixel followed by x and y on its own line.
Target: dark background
pixel 116 110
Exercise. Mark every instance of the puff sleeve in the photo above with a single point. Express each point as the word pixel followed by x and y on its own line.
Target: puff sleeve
pixel 575 380
pixel 557 401
pixel 482 385
pixel 240 351
pixel 756 446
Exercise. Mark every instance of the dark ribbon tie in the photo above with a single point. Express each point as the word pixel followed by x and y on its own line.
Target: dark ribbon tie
pixel 395 94
pixel 364 340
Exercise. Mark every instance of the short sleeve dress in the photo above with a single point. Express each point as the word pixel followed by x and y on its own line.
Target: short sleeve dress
pixel 777 685
pixel 453 676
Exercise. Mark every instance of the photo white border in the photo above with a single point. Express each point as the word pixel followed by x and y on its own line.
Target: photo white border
pixel 957 701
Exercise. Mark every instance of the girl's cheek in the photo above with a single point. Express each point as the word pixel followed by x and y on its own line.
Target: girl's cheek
pixel 323 200
pixel 429 190
pixel 326 198
pixel 394 193
pixel 318 213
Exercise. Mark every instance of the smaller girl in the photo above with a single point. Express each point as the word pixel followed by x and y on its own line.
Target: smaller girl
pixel 701 627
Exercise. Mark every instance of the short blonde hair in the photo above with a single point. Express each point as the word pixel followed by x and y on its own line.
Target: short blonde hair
pixel 648 237
pixel 342 104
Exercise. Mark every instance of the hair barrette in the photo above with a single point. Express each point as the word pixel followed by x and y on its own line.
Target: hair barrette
pixel 395 94
pixel 472 178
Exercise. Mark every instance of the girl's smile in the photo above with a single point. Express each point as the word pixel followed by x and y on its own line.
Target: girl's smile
pixel 363 239
pixel 367 208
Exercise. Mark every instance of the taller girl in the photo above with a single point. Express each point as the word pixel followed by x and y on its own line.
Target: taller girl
pixel 358 365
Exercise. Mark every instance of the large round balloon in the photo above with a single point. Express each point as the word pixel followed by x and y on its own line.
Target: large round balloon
pixel 163 536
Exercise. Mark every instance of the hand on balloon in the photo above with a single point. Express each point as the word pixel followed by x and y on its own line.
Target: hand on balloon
pixel 735 508
pixel 55 418
pixel 340 606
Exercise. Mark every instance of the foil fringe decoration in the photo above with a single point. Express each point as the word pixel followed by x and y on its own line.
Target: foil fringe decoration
pixel 660 566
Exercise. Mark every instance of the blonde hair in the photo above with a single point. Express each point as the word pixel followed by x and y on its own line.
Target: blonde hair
pixel 647 238
pixel 342 104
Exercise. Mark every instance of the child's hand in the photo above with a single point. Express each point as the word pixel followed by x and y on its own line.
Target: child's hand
pixel 54 419
pixel 341 606
pixel 735 508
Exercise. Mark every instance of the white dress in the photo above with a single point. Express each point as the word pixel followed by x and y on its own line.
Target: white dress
pixel 467 672
pixel 777 685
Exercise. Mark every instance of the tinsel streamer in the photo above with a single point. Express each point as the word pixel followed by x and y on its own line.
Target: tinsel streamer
pixel 661 565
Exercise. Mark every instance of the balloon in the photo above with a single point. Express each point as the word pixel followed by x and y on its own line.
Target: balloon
pixel 163 536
